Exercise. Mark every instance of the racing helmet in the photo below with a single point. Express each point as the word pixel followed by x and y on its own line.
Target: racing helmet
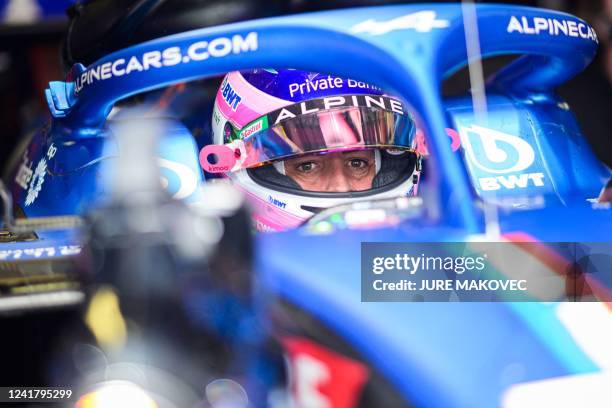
pixel 265 119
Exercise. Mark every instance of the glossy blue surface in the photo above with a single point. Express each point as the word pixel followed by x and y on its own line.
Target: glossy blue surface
pixel 436 354
pixel 529 156
pixel 349 43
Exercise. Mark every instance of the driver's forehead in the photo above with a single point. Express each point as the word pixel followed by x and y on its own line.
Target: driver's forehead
pixel 334 155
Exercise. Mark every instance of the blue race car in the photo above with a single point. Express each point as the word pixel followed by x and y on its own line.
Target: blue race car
pixel 506 163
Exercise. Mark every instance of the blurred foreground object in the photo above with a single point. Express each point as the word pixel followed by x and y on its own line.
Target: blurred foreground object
pixel 170 289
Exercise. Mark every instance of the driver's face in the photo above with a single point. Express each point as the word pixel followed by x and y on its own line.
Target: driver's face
pixel 333 172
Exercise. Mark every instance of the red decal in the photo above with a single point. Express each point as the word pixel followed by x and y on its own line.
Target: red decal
pixel 322 378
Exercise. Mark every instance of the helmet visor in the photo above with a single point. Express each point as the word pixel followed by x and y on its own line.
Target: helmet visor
pixel 339 123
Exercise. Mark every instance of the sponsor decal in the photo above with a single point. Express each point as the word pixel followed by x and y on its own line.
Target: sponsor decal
pixel 319 84
pixel 551 26
pixel 217 169
pixel 43 252
pixel 254 127
pixel 314 85
pixel 320 377
pixel 38 178
pixel 316 105
pixel 25 172
pixel 230 96
pixel 198 51
pixel 422 22
pixel 511 182
pixel 494 151
pixel 51 151
pixel 277 202
pixel 37 181
pixel 504 155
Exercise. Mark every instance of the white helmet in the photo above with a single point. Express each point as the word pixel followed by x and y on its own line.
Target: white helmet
pixel 263 118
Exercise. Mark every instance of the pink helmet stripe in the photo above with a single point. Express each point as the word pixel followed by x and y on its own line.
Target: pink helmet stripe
pixel 273 217
pixel 241 117
pixel 253 102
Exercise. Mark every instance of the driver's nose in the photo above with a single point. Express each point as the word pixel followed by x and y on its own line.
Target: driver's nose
pixel 338 182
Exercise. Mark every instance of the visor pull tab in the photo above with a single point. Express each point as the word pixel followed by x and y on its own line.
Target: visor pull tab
pixel 218 158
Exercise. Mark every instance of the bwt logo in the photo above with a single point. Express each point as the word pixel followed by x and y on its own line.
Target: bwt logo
pixel 499 153
pixel 277 202
pixel 496 152
pixel 230 96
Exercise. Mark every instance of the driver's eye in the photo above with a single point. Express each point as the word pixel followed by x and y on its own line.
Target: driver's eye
pixel 306 167
pixel 358 163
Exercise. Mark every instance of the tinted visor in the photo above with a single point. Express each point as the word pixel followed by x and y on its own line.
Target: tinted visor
pixel 330 124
